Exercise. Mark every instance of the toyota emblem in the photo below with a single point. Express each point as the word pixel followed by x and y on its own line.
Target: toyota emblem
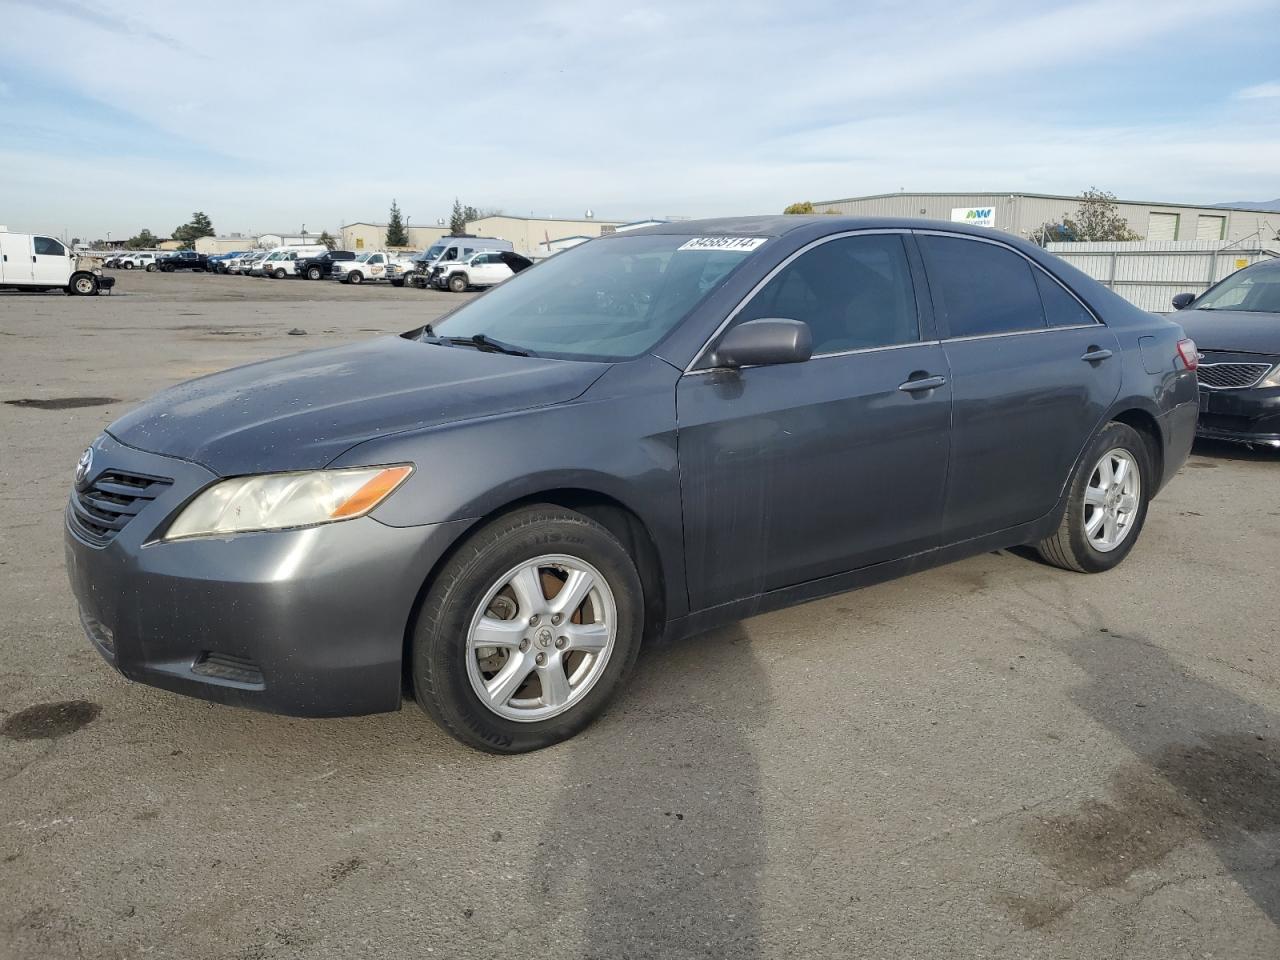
pixel 83 466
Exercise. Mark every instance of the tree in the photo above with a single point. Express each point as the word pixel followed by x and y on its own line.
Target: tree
pixel 457 219
pixel 397 235
pixel 1097 218
pixel 804 206
pixel 327 240
pixel 145 240
pixel 198 226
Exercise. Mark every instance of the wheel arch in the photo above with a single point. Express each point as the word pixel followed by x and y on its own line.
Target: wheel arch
pixel 1147 426
pixel 611 513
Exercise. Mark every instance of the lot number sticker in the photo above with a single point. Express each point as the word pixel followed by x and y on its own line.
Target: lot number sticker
pixel 736 244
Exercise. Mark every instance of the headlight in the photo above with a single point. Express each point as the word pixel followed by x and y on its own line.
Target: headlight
pixel 274 501
pixel 1272 379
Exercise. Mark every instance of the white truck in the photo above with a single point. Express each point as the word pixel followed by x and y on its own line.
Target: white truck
pixel 32 262
pixel 485 269
pixel 136 261
pixel 369 266
pixel 282 262
pixel 449 250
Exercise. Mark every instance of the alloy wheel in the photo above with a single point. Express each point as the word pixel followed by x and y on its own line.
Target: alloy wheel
pixel 541 637
pixel 1111 500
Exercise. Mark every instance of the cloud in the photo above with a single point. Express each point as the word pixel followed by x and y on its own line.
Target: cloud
pixel 669 108
pixel 1263 91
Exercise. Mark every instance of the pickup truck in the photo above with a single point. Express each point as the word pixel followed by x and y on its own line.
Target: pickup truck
pixel 180 260
pixel 316 268
pixel 368 266
pixel 485 269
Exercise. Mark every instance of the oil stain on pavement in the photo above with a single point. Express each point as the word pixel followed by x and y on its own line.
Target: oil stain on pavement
pixel 48 721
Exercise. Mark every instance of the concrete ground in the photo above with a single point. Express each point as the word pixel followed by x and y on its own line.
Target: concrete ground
pixel 994 759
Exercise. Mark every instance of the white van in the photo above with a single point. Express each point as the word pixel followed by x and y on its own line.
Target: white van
pixel 449 250
pixel 281 262
pixel 30 262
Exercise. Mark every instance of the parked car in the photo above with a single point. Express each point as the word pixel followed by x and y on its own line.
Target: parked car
pixel 479 270
pixel 32 262
pixel 282 262
pixel 1236 323
pixel 137 261
pixel 318 267
pixel 449 250
pixel 242 264
pixel 218 262
pixel 496 509
pixel 182 260
pixel 367 266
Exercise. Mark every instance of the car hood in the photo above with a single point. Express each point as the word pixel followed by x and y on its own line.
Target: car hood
pixel 1232 331
pixel 300 412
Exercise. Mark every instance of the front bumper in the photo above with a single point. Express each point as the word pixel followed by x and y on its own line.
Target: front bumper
pixel 1251 415
pixel 307 622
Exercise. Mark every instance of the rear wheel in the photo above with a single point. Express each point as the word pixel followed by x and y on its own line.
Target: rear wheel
pixel 128 265
pixel 1106 505
pixel 151 268
pixel 527 632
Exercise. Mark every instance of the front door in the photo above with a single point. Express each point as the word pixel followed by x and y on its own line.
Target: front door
pixel 49 262
pixel 795 472
pixel 1027 395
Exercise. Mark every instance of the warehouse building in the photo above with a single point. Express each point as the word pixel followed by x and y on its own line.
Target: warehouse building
pixel 373 236
pixel 527 234
pixel 1025 213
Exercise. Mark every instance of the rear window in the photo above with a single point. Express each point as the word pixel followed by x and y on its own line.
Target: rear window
pixel 980 288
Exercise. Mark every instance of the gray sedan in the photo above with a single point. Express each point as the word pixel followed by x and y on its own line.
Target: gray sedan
pixel 656 432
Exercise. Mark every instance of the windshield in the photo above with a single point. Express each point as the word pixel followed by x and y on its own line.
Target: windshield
pixel 1250 291
pixel 363 257
pixel 605 300
pixel 433 252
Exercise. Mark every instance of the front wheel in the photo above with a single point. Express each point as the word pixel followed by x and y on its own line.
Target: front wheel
pixel 279 273
pixel 458 283
pixel 1106 505
pixel 354 276
pixel 128 266
pixel 313 273
pixel 151 268
pixel 527 631
pixel 83 285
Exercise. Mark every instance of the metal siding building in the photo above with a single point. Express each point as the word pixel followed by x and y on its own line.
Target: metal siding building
pixel 1023 213
pixel 363 236
pixel 527 233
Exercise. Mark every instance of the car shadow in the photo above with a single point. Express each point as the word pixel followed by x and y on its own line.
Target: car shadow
pixel 667 842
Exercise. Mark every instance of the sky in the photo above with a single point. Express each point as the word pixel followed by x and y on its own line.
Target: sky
pixel 117 116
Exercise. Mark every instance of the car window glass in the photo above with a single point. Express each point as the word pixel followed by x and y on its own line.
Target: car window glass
pixel 1251 291
pixel 48 247
pixel 981 288
pixel 1061 309
pixel 854 293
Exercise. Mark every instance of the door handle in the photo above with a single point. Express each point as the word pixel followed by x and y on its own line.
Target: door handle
pixel 924 383
pixel 1094 354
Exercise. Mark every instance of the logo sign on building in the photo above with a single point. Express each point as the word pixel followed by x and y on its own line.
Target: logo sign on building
pixel 974 216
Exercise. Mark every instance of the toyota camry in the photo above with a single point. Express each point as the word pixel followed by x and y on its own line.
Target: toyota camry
pixel 655 432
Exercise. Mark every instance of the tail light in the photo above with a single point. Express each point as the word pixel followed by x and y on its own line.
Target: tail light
pixel 1188 353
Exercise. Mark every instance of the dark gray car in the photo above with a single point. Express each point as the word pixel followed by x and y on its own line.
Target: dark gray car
pixel 658 431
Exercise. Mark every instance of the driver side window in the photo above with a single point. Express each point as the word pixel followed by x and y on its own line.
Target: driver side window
pixel 855 293
pixel 48 247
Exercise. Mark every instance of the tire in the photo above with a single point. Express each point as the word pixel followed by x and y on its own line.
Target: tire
pixel 169 269
pixel 279 273
pixel 353 276
pixel 151 268
pixel 458 283
pixel 445 666
pixel 83 285
pixel 313 273
pixel 1071 546
pixel 128 266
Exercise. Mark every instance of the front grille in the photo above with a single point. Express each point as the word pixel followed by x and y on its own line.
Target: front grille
pixel 226 666
pixel 1231 376
pixel 105 508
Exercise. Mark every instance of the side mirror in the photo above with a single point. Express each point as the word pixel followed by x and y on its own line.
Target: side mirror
pixel 1181 300
pixel 764 342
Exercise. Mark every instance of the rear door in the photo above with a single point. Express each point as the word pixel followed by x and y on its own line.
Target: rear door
pixel 1033 373
pixel 794 472
pixel 16 259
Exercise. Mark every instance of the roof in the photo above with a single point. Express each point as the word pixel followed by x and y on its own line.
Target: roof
pixel 775 225
pixel 1041 196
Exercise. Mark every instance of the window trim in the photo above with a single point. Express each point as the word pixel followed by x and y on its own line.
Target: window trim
pixel 751 294
pixel 996 242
